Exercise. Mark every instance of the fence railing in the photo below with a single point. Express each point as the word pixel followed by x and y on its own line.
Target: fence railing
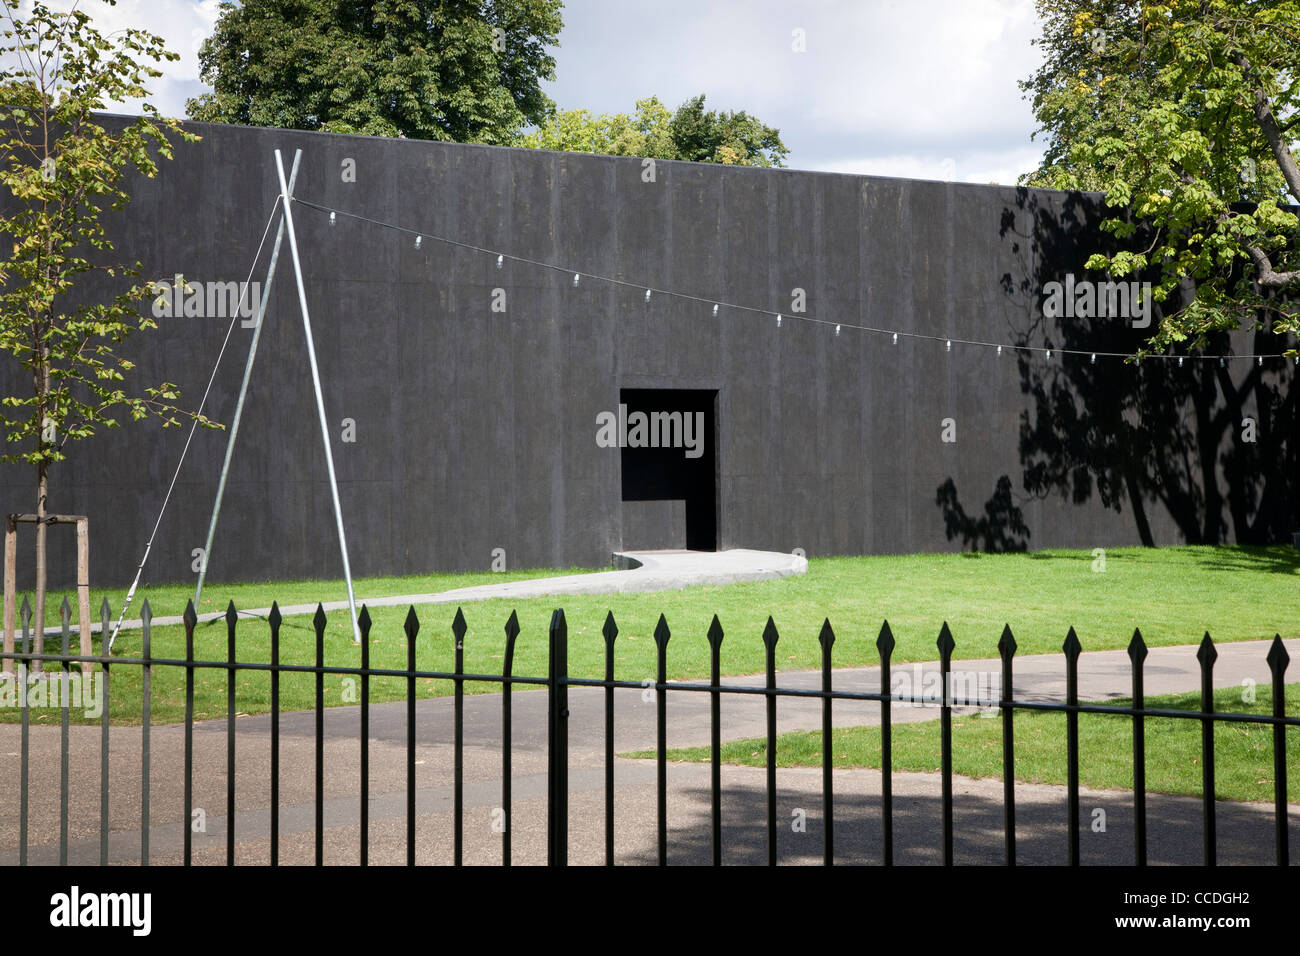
pixel 558 681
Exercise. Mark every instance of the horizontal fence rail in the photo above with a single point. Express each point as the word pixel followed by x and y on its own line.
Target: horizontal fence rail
pixel 557 683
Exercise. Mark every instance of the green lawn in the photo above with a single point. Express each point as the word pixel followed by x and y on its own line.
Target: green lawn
pixel 1173 594
pixel 1243 752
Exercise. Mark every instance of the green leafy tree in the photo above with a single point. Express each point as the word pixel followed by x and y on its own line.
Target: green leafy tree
pixel 690 134
pixel 1184 113
pixel 62 172
pixel 467 72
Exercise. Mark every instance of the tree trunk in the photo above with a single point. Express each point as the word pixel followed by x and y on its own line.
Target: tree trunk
pixel 42 490
pixel 42 494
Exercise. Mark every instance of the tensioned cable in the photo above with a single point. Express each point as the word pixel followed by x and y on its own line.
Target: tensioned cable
pixel 193 427
pixel 799 316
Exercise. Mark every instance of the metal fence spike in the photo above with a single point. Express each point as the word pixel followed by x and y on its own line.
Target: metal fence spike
pixel 885 641
pixel 945 643
pixel 662 633
pixel 1007 643
pixel 1206 652
pixel 1072 647
pixel 770 635
pixel 1137 648
pixel 1278 658
pixel 610 629
pixel 827 636
pixel 715 633
pixel 458 626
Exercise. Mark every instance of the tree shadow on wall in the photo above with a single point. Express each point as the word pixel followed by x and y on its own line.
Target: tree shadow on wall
pixel 1208 447
pixel 1002 527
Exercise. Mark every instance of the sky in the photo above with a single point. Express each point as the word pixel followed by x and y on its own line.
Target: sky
pixel 924 89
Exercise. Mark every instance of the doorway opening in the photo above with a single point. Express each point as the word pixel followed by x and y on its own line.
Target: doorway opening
pixel 669 441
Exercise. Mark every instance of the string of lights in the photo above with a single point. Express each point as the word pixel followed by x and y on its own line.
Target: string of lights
pixel 839 326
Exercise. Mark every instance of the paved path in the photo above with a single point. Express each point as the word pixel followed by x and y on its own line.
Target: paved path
pixel 645 571
pixel 1245 830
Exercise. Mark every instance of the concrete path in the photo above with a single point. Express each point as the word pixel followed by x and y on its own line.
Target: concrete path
pixel 1245 830
pixel 640 571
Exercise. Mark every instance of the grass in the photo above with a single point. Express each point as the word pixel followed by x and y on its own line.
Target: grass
pixel 1173 594
pixel 1243 752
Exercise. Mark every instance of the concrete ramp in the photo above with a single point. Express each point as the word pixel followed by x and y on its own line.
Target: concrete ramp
pixel 637 571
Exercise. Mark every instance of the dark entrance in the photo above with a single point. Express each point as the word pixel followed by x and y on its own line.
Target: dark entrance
pixel 670 495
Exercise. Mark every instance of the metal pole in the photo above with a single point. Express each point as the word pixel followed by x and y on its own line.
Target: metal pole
pixel 243 391
pixel 287 196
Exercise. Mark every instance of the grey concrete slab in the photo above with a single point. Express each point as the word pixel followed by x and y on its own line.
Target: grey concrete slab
pixel 653 571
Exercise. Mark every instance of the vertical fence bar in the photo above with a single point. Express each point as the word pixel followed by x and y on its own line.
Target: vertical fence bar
pixel 1072 648
pixel 885 647
pixel 190 618
pixel 1278 659
pixel 105 613
pixel 412 628
pixel 363 624
pixel 1007 650
pixel 715 735
pixel 24 679
pixel 146 714
pixel 232 617
pixel 662 635
pixel 1206 654
pixel 827 640
pixel 610 632
pixel 65 613
pixel 458 628
pixel 274 619
pixel 512 632
pixel 1137 655
pixel 946 644
pixel 319 622
pixel 770 638
pixel 557 806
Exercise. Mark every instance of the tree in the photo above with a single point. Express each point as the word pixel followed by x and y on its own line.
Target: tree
pixel 62 172
pixel 1183 112
pixel 466 72
pixel 690 134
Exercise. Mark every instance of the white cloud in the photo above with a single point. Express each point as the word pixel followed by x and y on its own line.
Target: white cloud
pixel 1003 167
pixel 183 25
pixel 889 87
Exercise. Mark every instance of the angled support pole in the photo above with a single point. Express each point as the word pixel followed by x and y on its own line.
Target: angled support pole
pixel 243 388
pixel 286 196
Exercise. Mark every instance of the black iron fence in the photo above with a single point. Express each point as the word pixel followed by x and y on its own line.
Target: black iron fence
pixel 558 681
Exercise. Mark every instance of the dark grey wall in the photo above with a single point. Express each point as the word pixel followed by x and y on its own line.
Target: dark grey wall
pixel 476 430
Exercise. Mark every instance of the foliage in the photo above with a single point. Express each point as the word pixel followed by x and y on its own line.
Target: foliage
pixel 423 69
pixel 62 171
pixel 691 134
pixel 1183 113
